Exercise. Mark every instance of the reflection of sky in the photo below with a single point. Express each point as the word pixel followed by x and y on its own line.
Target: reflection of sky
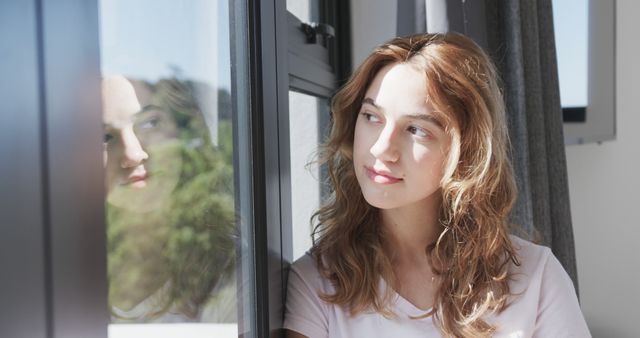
pixel 150 39
pixel 571 32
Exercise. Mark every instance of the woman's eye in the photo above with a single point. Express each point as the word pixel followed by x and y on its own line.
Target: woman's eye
pixel 420 132
pixel 370 117
pixel 150 123
pixel 107 137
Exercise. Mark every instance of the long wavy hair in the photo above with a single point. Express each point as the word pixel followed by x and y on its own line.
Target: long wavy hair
pixel 473 251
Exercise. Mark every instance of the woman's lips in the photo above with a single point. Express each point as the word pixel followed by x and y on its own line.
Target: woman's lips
pixel 137 180
pixel 381 177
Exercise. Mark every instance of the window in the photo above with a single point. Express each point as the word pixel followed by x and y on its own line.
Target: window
pixel 179 245
pixel 572 32
pixel 314 67
pixel 585 46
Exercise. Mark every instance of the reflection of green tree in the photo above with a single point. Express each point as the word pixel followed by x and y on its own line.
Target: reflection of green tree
pixel 178 254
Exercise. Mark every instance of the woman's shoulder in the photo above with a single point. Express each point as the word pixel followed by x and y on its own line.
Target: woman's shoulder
pixel 529 254
pixel 306 262
pixel 531 267
pixel 306 265
pixel 305 312
pixel 543 301
pixel 305 270
pixel 538 270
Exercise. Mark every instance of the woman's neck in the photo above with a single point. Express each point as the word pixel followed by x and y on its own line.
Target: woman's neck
pixel 410 229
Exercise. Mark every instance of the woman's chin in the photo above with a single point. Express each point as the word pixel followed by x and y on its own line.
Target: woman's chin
pixel 141 196
pixel 380 201
pixel 141 184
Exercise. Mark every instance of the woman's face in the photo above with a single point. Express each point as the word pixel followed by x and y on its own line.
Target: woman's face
pixel 399 147
pixel 141 150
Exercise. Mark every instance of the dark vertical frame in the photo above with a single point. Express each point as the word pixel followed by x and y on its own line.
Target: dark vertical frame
pixel 74 176
pixel 337 14
pixel 341 12
pixel 269 97
pixel 22 254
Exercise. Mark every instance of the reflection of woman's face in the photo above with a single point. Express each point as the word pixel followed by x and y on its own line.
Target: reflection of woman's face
pixel 141 149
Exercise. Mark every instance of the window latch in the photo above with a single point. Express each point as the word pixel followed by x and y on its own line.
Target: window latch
pixel 313 30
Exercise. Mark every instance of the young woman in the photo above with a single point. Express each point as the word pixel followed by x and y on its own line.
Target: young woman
pixel 414 241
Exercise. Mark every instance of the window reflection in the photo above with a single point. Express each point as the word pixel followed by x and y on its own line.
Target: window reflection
pixel 171 223
pixel 179 255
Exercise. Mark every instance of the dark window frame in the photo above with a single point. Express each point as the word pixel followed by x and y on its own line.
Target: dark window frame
pixel 574 114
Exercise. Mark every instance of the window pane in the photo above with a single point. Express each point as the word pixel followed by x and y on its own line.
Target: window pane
pixel 571 25
pixel 176 247
pixel 307 120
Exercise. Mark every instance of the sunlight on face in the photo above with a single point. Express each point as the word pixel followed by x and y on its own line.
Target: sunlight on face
pixel 399 146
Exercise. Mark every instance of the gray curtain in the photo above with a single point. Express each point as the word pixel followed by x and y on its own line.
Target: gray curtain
pixel 520 38
pixel 518 34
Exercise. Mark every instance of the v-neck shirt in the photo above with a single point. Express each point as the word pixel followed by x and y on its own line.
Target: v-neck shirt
pixel 543 303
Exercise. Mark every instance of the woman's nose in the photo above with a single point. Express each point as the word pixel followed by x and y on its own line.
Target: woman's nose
pixel 385 147
pixel 133 154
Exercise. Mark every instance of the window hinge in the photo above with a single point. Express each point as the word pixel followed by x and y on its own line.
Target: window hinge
pixel 313 30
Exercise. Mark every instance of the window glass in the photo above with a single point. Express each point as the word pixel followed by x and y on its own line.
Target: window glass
pixel 308 117
pixel 571 22
pixel 176 241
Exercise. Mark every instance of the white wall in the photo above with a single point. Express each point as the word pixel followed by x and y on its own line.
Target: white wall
pixel 604 183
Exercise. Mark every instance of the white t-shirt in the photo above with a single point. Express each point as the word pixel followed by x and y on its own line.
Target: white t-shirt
pixel 544 304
